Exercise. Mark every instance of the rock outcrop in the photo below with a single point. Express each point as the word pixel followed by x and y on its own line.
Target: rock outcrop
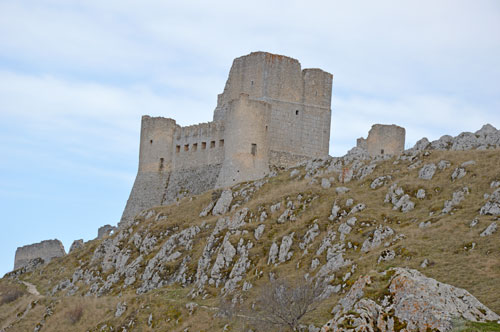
pixel 408 301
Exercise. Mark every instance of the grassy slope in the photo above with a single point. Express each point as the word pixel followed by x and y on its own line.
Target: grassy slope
pixel 442 244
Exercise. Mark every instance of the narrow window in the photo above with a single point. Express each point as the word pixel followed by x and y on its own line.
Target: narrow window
pixel 151 141
pixel 221 143
pixel 266 128
pixel 203 145
pixel 178 148
pixel 251 82
pixel 212 144
pixel 186 147
pixel 297 112
pixel 161 164
pixel 254 149
pixel 195 146
pixel 382 151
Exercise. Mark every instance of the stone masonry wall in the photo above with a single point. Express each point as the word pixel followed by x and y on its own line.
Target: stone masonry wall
pixel 45 250
pixel 384 139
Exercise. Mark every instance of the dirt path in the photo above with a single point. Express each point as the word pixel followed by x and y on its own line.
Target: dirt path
pixel 31 288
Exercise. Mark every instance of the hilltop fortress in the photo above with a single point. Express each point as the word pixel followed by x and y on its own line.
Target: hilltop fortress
pixel 271 112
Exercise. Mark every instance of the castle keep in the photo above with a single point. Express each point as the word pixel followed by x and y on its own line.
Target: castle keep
pixel 271 112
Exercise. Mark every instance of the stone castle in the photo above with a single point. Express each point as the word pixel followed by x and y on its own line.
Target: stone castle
pixel 271 112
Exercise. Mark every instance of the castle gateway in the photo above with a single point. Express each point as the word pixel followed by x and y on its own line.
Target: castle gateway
pixel 271 112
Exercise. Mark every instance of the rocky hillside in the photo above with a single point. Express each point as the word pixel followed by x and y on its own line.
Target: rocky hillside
pixel 406 243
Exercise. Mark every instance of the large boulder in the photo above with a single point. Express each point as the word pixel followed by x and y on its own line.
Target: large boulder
pixel 402 299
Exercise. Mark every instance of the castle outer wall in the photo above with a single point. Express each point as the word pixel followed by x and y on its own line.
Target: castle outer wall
pixel 271 113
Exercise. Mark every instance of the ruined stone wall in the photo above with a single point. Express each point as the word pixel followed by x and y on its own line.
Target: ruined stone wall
pixel 384 139
pixel 45 250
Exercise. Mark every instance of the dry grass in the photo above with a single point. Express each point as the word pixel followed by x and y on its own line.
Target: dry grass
pixel 442 244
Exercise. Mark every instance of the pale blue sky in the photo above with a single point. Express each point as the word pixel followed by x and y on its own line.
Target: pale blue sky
pixel 76 76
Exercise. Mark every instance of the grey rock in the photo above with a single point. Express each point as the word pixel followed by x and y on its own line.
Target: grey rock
pixel 309 237
pixel 344 229
pixel 420 302
pixel 273 254
pixel 427 171
pixel 421 194
pixel 357 208
pixel 314 264
pixel 492 206
pixel 425 263
pixel 207 209
pixel 492 228
pixel 443 164
pixel 327 242
pixel 276 207
pixel 364 171
pixel 223 203
pixel 121 307
pixel 458 173
pixel 294 173
pixel 458 196
pixel 325 183
pixel 380 181
pixel 424 224
pixel 421 144
pixel 375 240
pixel 341 190
pixel 286 243
pixel 259 231
pixel 404 203
pixel 77 244
pixel 468 163
pixel 334 212
pixel 349 202
pixel 474 222
pixel 386 256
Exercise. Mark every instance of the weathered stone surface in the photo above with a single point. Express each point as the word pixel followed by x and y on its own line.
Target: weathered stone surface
pixel 273 254
pixel 421 194
pixel 223 203
pixel 383 140
pixel 458 196
pixel 77 244
pixel 492 228
pixel 375 240
pixel 46 250
pixel 492 206
pixel 427 171
pixel 380 181
pixel 325 183
pixel 104 231
pixel 121 307
pixel 258 231
pixel 443 164
pixel 341 190
pixel 418 302
pixel 458 173
pixel 286 243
